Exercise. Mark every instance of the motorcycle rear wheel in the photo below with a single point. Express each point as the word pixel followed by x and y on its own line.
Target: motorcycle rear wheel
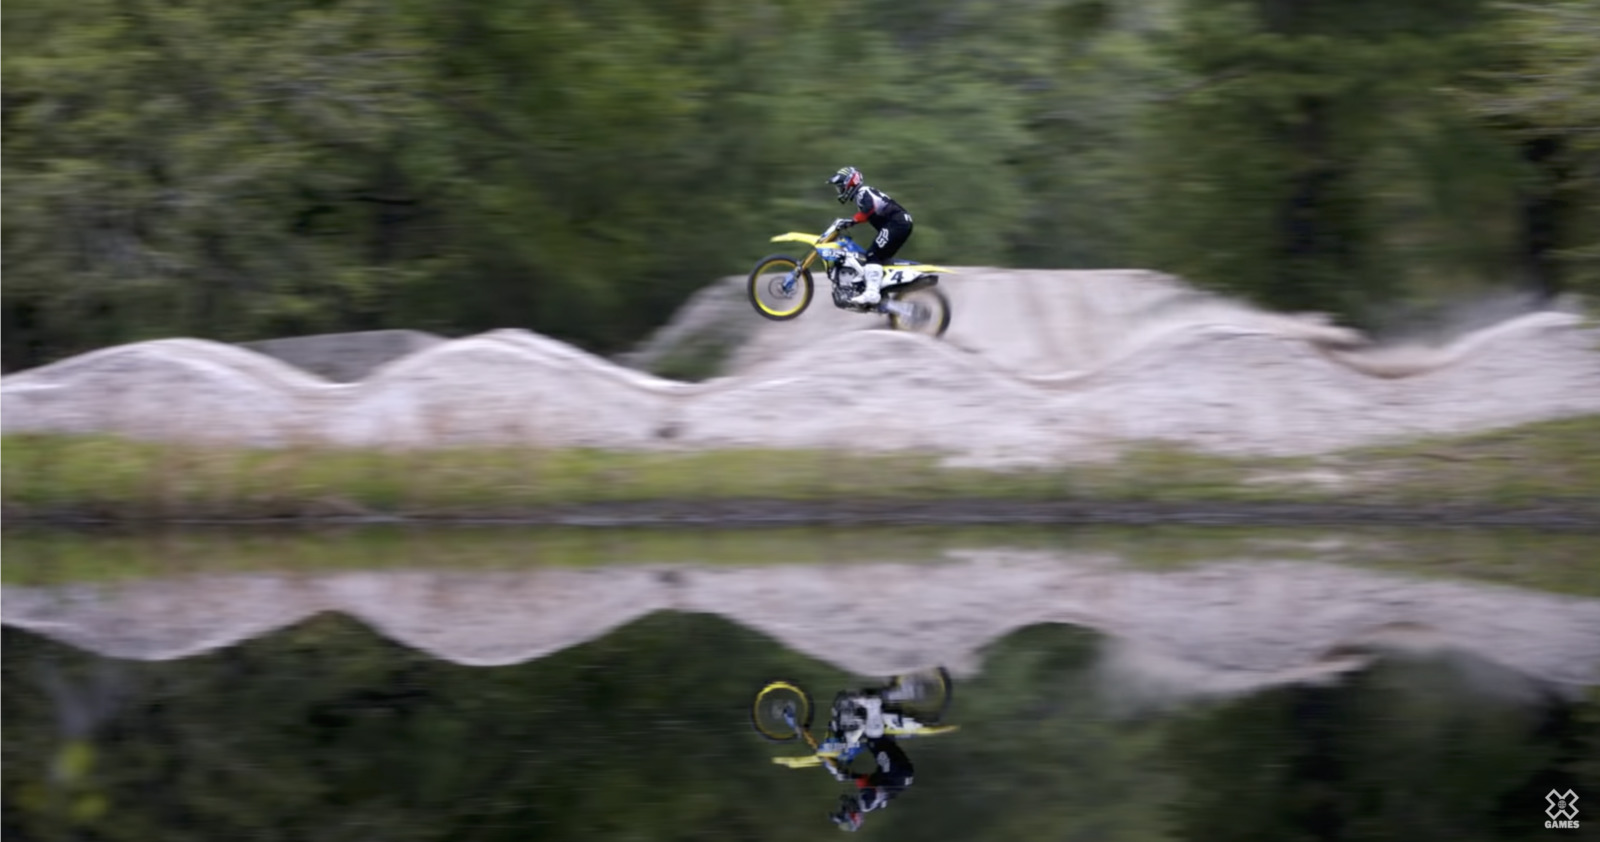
pixel 933 312
pixel 925 695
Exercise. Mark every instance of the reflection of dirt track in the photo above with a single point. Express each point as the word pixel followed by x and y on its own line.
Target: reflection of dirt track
pixel 1045 364
pixel 1228 627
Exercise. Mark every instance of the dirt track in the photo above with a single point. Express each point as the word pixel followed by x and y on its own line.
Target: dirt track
pixel 1036 324
pixel 1038 366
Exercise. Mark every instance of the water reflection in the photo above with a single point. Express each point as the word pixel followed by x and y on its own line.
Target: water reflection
pixel 1224 627
pixel 868 720
pixel 891 775
pixel 1097 699
pixel 325 730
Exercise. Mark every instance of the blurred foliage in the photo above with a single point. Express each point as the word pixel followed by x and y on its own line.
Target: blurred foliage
pixel 1543 94
pixel 1414 749
pixel 578 167
pixel 328 731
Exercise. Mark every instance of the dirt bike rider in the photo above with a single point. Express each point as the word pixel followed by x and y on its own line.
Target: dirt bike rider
pixel 892 222
pixel 858 723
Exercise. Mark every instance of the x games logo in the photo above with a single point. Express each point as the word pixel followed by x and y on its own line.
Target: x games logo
pixel 1563 810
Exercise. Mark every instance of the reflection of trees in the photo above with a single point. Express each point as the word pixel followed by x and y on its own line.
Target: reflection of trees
pixel 1041 755
pixel 75 697
pixel 1404 751
pixel 327 731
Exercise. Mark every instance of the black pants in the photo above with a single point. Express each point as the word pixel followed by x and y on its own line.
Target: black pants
pixel 891 237
pixel 892 777
pixel 894 767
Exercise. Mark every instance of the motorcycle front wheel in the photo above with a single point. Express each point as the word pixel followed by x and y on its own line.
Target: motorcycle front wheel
pixel 779 289
pixel 931 312
pixel 778 709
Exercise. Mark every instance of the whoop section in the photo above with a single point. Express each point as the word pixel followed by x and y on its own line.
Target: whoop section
pixel 1040 366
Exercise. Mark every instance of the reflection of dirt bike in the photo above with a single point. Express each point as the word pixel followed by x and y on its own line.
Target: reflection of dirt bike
pixel 913 703
pixel 780 286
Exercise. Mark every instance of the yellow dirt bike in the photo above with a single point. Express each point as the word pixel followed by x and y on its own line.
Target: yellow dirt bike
pixel 780 286
pixel 913 705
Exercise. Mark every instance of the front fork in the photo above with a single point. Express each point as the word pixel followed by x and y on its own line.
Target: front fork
pixel 788 716
pixel 840 762
pixel 794 277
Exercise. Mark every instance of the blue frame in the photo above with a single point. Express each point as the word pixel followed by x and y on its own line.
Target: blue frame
pixel 843 240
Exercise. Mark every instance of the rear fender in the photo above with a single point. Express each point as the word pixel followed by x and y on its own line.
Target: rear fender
pixel 911 286
pixel 925 268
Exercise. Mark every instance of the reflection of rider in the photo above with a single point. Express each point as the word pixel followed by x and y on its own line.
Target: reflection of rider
pixel 885 214
pixel 859 722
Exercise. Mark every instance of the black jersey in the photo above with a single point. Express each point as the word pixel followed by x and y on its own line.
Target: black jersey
pixel 875 206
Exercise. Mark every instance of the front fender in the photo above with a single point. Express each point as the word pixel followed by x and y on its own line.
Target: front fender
pixel 796 237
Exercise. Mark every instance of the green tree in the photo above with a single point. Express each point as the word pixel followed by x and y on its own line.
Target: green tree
pixel 1267 175
pixel 1542 94
pixel 206 168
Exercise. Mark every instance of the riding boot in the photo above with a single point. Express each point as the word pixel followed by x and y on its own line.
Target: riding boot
pixel 873 274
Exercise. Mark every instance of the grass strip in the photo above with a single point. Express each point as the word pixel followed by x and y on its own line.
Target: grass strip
pixel 1558 562
pixel 1548 464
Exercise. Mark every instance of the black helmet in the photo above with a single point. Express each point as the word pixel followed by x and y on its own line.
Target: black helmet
pixel 848 182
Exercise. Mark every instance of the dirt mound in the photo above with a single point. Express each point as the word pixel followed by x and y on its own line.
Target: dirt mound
pixel 1031 322
pixel 1221 628
pixel 345 357
pixel 1040 366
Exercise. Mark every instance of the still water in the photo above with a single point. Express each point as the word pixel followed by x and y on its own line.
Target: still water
pixel 477 683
